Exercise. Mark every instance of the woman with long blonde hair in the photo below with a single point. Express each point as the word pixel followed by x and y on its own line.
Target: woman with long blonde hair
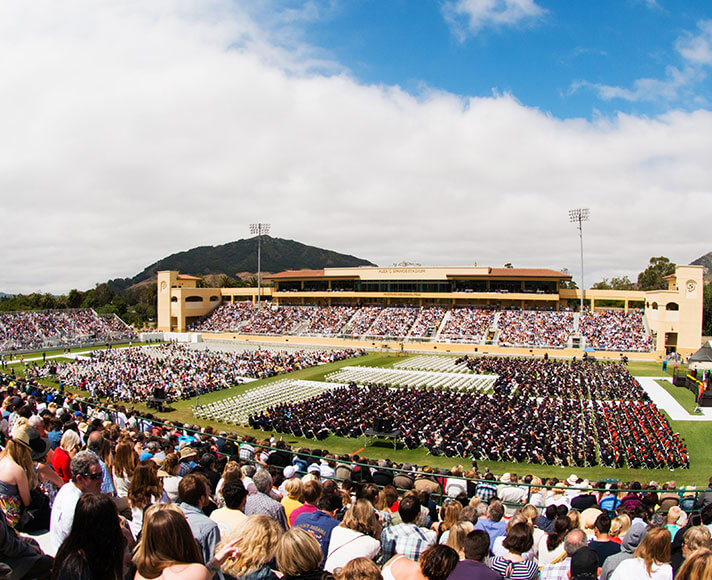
pixel 651 559
pixel 17 473
pixel 449 516
pixel 456 537
pixel 256 543
pixel 69 445
pixel 697 566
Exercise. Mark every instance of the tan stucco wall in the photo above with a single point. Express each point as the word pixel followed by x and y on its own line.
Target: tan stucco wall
pixel 435 348
pixel 685 289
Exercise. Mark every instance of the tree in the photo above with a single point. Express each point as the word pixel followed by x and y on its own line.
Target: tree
pixel 602 285
pixel 568 285
pixel 75 298
pixel 614 283
pixel 652 277
pixel 623 283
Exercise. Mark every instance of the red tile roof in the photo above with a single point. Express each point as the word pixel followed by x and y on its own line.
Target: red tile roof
pixel 187 277
pixel 297 274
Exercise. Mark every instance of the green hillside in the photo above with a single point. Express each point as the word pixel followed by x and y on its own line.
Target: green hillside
pixel 241 256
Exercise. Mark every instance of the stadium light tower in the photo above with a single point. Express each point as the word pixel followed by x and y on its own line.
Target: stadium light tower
pixel 578 216
pixel 259 230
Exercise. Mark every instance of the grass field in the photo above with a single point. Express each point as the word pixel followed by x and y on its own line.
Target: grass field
pixel 696 434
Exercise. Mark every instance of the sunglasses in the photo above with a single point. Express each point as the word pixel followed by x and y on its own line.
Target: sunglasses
pixel 94 476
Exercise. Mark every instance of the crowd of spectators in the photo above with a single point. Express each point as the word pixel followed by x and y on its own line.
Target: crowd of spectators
pixel 132 374
pixel 226 317
pixel 467 325
pixel 147 499
pixel 428 322
pixel 615 330
pixel 609 330
pixel 59 328
pixel 362 320
pixel 393 322
pixel 329 320
pixel 533 328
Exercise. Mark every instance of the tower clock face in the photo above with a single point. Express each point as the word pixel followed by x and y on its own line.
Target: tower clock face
pixel 691 285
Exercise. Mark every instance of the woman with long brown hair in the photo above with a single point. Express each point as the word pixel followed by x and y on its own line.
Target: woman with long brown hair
pixel 146 488
pixel 168 550
pixel 125 461
pixel 356 536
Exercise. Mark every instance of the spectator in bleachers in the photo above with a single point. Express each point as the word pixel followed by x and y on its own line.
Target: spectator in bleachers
pixel 615 330
pixel 357 536
pixel 194 495
pixel 257 541
pixel 262 503
pixel 168 548
pixel 406 538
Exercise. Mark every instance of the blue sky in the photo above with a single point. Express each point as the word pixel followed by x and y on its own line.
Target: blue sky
pixel 441 132
pixel 550 55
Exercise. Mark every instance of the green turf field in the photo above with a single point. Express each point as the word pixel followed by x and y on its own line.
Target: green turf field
pixel 697 434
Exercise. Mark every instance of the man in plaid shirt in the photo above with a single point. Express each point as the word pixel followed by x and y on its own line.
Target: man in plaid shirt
pixel 486 490
pixel 407 538
pixel 559 569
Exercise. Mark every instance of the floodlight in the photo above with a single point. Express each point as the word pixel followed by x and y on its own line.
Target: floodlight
pixel 578 216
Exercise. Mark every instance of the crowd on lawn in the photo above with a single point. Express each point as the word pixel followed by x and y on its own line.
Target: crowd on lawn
pixel 121 496
pixel 59 328
pixel 577 378
pixel 497 427
pixel 132 374
pixel 604 330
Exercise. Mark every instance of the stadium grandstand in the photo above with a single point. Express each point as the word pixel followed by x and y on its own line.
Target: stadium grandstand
pixel 507 310
pixel 45 329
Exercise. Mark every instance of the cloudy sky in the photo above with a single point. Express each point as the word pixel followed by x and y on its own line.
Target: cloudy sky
pixel 444 132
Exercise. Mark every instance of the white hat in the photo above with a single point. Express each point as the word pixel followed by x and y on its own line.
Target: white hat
pixel 573 479
pixel 289 471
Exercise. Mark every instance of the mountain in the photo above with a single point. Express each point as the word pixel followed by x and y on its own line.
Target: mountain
pixel 4 295
pixel 705 261
pixel 241 256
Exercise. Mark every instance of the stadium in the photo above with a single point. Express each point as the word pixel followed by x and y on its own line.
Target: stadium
pixel 439 384
pixel 444 310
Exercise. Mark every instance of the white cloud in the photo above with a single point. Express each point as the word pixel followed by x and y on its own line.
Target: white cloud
pixel 470 16
pixel 132 131
pixel 669 89
pixel 678 83
pixel 697 48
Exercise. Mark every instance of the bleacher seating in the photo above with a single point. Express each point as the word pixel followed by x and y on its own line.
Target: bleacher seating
pixel 512 328
pixel 60 328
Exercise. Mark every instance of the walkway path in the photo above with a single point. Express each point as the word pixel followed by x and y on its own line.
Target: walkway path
pixel 667 402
